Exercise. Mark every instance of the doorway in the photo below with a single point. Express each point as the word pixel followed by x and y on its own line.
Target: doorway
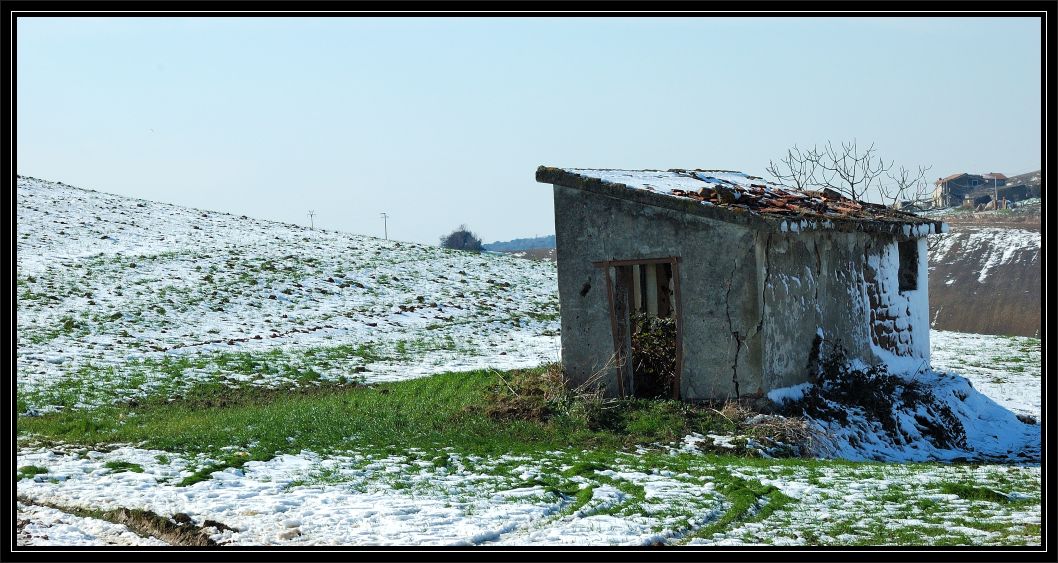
pixel 646 320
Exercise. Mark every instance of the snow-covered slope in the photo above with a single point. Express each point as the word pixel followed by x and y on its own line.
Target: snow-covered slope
pixel 985 280
pixel 164 294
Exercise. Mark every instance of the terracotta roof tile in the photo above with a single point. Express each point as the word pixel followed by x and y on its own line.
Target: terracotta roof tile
pixel 736 191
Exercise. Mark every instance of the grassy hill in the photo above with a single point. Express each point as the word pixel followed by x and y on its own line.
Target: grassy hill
pixel 147 297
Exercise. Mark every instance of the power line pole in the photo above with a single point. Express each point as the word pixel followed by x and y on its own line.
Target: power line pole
pixel 385 226
pixel 311 215
pixel 995 193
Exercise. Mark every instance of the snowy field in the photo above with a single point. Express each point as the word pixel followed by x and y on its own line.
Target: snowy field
pixel 150 298
pixel 1006 368
pixel 679 498
pixel 996 248
pixel 122 299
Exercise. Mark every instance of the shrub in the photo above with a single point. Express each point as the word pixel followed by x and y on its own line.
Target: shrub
pixel 462 239
pixel 654 355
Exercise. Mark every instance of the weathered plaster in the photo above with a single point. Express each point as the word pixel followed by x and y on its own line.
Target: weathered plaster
pixel 753 299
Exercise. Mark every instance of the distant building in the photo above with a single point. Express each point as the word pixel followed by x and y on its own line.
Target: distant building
pixel 756 277
pixel 952 190
pixel 983 196
pixel 978 190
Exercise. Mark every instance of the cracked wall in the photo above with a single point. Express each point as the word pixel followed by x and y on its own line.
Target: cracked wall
pixel 753 301
pixel 717 278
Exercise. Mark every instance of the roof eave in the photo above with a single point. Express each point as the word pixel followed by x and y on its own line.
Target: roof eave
pixel 739 216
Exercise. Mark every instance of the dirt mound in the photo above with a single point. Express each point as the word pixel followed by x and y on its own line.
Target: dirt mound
pixel 985 281
pixel 867 413
pixel 843 390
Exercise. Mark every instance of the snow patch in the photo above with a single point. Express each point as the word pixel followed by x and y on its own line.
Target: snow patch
pixel 792 393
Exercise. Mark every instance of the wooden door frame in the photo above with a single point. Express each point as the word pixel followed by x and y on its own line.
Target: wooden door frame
pixel 606 265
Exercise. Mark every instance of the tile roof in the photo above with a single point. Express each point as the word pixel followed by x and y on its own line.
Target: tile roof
pixel 950 178
pixel 742 198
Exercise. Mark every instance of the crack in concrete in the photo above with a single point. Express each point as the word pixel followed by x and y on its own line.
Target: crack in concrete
pixel 739 338
pixel 764 289
pixel 730 326
pixel 819 269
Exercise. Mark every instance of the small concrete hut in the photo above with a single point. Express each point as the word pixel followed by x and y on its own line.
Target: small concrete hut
pixel 755 277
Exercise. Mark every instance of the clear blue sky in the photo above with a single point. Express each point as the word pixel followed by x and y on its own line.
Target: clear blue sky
pixel 439 122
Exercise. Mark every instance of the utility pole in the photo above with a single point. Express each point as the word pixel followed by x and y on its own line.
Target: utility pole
pixel 995 193
pixel 311 215
pixel 385 227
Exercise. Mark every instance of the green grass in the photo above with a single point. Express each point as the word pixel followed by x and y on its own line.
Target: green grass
pixel 123 466
pixel 974 493
pixel 751 501
pixel 168 375
pixel 544 315
pixel 29 471
pixel 447 409
pixel 445 421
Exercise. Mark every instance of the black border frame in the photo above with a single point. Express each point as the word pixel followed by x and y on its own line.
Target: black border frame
pixel 12 10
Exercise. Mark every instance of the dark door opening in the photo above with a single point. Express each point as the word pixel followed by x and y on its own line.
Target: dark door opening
pixel 645 317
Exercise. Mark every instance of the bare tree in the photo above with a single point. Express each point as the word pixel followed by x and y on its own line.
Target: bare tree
pixel 906 185
pixel 850 171
pixel 797 169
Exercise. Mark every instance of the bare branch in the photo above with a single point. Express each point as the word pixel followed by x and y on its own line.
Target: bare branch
pixel 906 185
pixel 850 171
pixel 797 169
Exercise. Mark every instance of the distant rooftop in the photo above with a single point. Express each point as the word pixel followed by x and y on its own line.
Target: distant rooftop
pixel 950 178
pixel 740 197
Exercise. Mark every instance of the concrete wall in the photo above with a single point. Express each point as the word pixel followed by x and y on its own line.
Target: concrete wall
pixel 717 277
pixel 843 287
pixel 753 300
pixel 807 293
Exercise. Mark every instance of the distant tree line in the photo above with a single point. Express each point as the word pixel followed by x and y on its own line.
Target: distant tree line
pixel 532 243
